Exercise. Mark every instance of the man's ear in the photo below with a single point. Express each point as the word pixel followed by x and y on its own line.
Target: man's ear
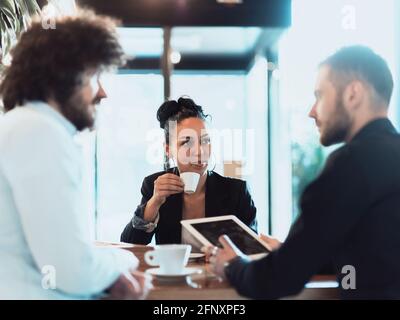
pixel 353 95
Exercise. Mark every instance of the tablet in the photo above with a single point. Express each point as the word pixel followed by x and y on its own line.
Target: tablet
pixel 208 230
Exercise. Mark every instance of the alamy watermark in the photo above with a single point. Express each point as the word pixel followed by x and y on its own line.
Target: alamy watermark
pixel 349 17
pixel 48 16
pixel 349 279
pixel 212 146
pixel 49 277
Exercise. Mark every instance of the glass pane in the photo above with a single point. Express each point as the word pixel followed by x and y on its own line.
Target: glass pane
pixel 141 42
pixel 220 41
pixel 127 133
pixel 237 104
pixel 301 49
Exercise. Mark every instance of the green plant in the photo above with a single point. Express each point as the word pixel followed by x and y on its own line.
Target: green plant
pixel 15 16
pixel 307 161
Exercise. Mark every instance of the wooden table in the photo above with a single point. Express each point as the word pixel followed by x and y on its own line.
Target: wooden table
pixel 206 286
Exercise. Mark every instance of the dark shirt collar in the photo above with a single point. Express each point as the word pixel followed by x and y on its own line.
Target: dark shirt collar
pixel 382 125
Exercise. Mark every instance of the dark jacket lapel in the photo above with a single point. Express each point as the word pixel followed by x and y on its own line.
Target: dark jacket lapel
pixel 215 195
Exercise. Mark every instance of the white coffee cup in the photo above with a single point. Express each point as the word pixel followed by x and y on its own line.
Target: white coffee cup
pixel 171 258
pixel 191 180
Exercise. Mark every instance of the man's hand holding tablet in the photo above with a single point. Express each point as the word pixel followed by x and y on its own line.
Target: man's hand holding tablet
pixel 220 257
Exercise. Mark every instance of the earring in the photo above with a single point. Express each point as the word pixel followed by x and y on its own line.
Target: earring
pixel 215 162
pixel 174 166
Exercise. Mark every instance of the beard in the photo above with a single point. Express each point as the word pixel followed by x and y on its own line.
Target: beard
pixel 79 113
pixel 338 127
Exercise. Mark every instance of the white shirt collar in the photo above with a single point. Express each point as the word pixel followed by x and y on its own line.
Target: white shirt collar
pixel 45 108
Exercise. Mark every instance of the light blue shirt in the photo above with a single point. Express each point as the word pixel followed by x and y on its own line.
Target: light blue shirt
pixel 44 230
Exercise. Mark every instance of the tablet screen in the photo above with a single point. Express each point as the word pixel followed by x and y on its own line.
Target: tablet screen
pixel 244 241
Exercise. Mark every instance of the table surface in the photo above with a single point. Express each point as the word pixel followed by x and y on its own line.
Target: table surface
pixel 204 285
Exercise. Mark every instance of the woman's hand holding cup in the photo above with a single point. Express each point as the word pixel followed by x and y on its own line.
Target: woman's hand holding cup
pixel 165 186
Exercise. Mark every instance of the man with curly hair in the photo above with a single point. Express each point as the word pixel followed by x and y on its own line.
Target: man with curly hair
pixel 49 94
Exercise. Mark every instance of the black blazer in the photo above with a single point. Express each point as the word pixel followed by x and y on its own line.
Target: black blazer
pixel 223 196
pixel 350 214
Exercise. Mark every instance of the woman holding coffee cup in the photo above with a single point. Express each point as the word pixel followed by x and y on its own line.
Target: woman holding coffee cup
pixel 187 190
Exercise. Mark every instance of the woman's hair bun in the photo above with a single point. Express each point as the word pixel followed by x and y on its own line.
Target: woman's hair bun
pixel 167 110
pixel 178 110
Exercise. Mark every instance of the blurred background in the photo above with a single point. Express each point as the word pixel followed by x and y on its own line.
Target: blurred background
pixel 251 65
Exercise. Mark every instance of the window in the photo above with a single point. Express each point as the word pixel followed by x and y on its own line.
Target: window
pixel 128 143
pixel 127 135
pixel 238 106
pixel 319 28
pixel 129 140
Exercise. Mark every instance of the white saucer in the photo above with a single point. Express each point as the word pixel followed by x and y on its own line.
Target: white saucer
pixel 113 244
pixel 185 272
pixel 196 255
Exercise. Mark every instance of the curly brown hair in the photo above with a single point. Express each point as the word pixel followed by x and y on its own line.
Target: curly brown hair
pixel 49 63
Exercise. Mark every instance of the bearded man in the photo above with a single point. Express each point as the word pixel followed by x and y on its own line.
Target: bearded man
pixel 49 93
pixel 351 213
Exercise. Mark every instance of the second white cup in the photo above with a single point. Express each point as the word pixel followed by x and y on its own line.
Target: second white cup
pixel 171 258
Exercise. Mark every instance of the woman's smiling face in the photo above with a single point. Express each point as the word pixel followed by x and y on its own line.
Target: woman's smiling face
pixel 190 145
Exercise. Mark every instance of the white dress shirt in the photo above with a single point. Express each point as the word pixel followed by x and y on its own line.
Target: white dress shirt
pixel 44 232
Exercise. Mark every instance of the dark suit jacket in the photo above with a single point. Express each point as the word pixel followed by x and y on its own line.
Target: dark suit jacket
pixel 223 196
pixel 350 213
